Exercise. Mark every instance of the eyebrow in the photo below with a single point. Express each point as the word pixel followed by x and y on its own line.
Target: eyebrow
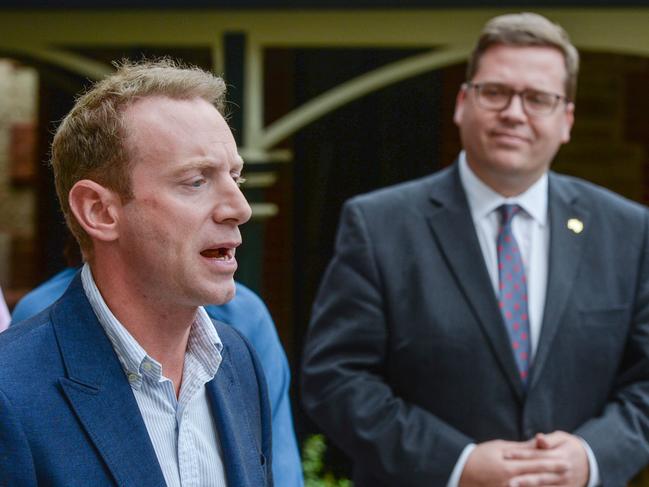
pixel 205 164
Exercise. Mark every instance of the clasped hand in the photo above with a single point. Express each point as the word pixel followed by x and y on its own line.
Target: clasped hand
pixel 557 459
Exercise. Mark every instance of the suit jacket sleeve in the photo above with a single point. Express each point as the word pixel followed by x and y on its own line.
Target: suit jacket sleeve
pixel 347 385
pixel 619 437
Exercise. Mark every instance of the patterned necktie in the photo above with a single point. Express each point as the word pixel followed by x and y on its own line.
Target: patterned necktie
pixel 513 290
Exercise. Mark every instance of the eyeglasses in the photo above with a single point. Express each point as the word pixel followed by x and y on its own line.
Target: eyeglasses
pixel 496 97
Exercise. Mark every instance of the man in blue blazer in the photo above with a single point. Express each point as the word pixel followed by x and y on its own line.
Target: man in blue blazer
pixel 248 314
pixel 126 380
pixel 489 324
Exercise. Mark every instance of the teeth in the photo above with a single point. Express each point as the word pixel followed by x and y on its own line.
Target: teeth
pixel 218 254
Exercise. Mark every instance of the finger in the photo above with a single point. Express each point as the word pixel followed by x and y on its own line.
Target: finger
pixel 533 480
pixel 529 445
pixel 550 440
pixel 541 441
pixel 537 466
pixel 529 454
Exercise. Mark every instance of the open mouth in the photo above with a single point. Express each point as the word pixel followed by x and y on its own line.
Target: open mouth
pixel 220 253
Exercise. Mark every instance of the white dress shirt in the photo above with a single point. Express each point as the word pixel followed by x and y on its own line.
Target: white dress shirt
pixel 531 228
pixel 182 431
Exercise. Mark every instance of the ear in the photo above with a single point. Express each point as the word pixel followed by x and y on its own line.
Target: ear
pixel 568 121
pixel 96 209
pixel 459 105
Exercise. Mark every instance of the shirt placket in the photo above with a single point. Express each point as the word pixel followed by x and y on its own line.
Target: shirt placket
pixel 187 459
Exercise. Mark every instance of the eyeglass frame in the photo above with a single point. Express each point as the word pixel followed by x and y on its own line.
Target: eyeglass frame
pixel 521 94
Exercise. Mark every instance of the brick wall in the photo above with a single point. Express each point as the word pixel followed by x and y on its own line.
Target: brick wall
pixel 18 88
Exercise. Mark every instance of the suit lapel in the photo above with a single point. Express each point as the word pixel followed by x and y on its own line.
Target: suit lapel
pixel 100 395
pixel 229 410
pixel 454 230
pixel 566 248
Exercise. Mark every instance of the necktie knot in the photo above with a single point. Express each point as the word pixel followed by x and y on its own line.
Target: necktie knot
pixel 507 213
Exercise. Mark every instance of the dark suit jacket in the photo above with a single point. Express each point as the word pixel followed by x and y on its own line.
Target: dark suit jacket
pixel 68 416
pixel 408 360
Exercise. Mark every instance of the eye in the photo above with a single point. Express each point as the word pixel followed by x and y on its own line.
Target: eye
pixel 539 98
pixel 238 179
pixel 196 183
pixel 494 90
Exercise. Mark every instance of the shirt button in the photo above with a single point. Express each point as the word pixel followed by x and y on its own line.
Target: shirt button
pixel 147 366
pixel 132 377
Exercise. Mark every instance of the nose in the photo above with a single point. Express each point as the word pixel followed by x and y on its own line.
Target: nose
pixel 514 110
pixel 232 205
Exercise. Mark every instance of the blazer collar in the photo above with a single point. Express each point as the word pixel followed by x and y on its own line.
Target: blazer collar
pixel 454 231
pixel 99 393
pixel 243 463
pixel 101 397
pixel 569 231
pixel 451 222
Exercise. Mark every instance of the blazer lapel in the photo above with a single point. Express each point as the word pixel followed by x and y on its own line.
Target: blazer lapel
pixel 454 230
pixel 566 248
pixel 100 395
pixel 242 463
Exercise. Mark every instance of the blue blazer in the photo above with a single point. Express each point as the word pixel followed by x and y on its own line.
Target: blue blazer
pixel 68 416
pixel 408 359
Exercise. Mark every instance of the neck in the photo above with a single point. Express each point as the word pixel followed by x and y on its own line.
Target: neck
pixel 162 329
pixel 507 184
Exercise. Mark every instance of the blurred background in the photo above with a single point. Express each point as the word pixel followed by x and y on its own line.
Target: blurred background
pixel 327 99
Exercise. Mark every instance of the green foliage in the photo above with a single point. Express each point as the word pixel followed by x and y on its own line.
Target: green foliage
pixel 315 472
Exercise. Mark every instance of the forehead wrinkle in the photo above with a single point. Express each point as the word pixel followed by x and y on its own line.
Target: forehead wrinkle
pixel 206 163
pixel 195 165
pixel 201 164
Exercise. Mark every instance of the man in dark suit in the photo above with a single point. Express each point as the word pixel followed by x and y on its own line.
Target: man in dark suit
pixel 489 324
pixel 125 380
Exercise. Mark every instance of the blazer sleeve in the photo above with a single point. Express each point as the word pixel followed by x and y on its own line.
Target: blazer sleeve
pixel 619 437
pixel 347 388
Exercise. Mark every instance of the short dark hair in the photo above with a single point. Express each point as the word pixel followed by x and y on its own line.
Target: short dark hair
pixel 527 29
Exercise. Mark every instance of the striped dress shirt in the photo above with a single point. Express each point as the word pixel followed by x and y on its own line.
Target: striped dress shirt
pixel 182 431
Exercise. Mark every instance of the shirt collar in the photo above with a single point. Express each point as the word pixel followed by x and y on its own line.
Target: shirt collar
pixel 204 342
pixel 483 200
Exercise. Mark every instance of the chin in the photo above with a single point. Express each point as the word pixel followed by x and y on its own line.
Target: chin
pixel 222 294
pixel 510 162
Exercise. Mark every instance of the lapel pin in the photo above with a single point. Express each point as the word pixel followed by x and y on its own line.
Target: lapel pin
pixel 575 225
